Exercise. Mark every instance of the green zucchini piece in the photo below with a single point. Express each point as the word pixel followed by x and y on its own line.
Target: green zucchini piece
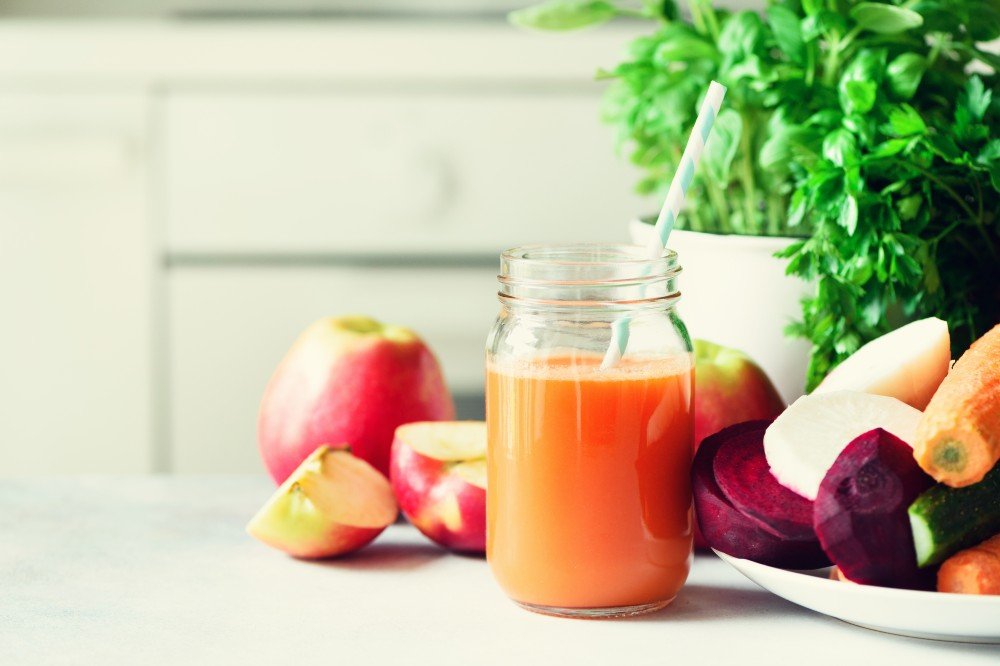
pixel 946 520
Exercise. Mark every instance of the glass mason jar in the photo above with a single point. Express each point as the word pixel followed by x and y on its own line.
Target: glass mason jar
pixel 589 501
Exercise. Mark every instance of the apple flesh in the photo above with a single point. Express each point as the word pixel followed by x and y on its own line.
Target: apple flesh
pixel 333 503
pixel 438 472
pixel 350 380
pixel 729 389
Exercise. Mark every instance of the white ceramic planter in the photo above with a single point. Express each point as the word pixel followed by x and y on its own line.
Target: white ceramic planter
pixel 734 292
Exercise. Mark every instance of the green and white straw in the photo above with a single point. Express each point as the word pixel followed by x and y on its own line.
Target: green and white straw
pixel 672 205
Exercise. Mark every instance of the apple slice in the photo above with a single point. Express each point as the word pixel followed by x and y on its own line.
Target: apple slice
pixel 908 364
pixel 438 472
pixel 332 504
pixel 803 443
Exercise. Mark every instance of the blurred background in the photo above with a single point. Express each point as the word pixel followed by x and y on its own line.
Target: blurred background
pixel 187 184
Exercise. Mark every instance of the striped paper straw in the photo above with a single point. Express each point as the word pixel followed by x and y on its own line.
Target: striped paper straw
pixel 672 205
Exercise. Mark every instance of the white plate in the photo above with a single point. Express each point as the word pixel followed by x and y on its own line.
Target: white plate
pixel 945 617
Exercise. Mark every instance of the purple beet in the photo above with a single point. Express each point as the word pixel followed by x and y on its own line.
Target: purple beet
pixel 742 472
pixel 733 533
pixel 860 512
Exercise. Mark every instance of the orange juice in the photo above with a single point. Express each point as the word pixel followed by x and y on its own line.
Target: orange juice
pixel 589 501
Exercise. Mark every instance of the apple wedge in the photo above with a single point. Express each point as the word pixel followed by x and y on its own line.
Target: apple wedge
pixel 438 472
pixel 333 503
pixel 907 364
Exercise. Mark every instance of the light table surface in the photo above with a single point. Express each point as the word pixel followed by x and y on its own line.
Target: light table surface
pixel 158 570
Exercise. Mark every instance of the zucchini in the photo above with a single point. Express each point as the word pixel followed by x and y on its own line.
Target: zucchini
pixel 946 520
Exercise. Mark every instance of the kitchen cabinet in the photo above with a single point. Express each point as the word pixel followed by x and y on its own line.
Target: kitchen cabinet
pixel 388 172
pixel 75 283
pixel 170 220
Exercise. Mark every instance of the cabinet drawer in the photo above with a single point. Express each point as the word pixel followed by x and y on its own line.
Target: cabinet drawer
pixel 374 172
pixel 231 327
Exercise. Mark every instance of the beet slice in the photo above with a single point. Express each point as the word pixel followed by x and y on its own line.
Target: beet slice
pixel 742 472
pixel 860 512
pixel 733 533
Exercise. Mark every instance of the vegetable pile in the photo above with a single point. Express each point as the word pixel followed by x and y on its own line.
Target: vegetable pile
pixel 856 125
pixel 878 513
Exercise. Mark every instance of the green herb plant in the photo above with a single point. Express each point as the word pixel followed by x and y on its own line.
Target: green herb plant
pixel 868 129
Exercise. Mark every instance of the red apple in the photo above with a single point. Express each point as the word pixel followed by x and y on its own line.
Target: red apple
pixel 351 380
pixel 438 473
pixel 332 504
pixel 729 388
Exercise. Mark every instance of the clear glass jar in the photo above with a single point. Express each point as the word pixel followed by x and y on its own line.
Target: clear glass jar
pixel 589 495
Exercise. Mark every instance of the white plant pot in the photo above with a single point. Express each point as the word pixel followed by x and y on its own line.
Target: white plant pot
pixel 735 292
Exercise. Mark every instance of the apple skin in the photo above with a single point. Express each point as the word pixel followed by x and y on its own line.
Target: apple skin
pixel 729 388
pixel 349 380
pixel 294 519
pixel 445 507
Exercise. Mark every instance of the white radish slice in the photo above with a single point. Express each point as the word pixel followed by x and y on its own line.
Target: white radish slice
pixel 908 363
pixel 805 440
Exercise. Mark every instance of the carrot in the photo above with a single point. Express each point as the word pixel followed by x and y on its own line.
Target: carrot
pixel 958 438
pixel 972 571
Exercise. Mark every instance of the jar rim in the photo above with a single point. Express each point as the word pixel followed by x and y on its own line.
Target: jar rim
pixel 588 272
pixel 590 254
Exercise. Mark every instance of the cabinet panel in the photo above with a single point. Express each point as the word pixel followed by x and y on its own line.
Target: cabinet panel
pixel 384 172
pixel 75 383
pixel 230 328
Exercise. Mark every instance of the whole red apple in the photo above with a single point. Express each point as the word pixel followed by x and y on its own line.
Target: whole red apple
pixel 348 381
pixel 438 474
pixel 729 388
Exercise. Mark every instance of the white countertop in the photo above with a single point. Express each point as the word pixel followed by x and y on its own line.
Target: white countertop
pixel 158 570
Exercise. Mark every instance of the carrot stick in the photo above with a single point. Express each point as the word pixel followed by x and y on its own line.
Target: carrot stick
pixel 972 571
pixel 958 438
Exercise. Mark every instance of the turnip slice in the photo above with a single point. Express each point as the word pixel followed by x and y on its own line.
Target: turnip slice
pixel 726 529
pixel 908 364
pixel 806 438
pixel 861 516
pixel 746 480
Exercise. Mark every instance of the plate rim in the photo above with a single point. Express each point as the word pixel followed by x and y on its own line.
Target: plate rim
pixel 800 576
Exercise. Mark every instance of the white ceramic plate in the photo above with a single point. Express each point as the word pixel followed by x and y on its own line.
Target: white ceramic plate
pixel 944 617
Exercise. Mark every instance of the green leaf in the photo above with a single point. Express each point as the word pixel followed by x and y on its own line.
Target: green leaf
pixel 885 19
pixel 722 145
pixel 859 81
pixel 812 7
pixel 840 147
pixel 742 35
pixel 909 206
pixel 782 146
pixel 890 148
pixel 787 31
pixel 821 23
pixel 666 9
pixel 990 152
pixel 976 98
pixel 563 14
pixel 860 96
pixel 905 121
pixel 904 74
pixel 848 218
pixel 682 45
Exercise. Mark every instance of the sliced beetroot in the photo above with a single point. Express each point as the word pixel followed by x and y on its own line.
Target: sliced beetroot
pixel 727 529
pixel 860 512
pixel 742 472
